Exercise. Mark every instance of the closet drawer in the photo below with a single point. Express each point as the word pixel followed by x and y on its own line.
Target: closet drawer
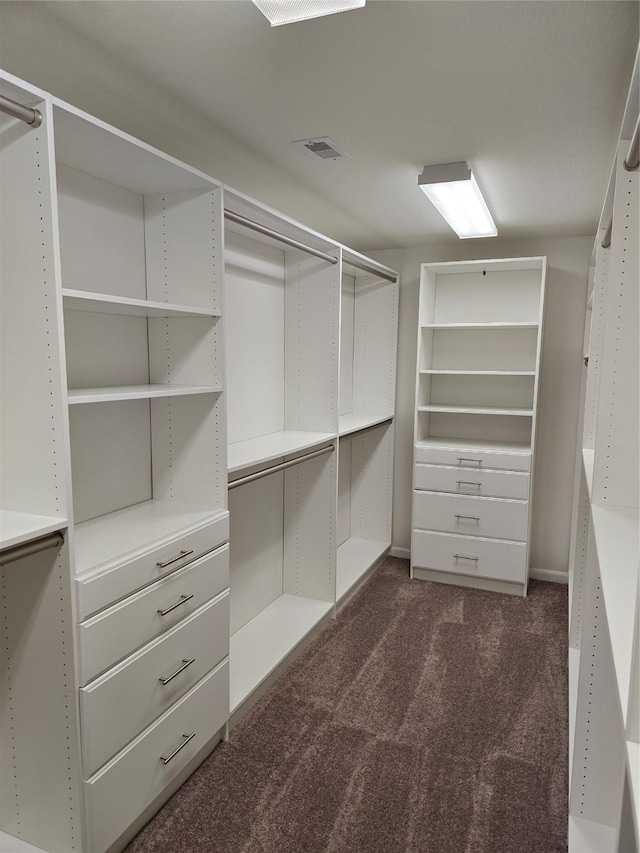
pixel 494 518
pixel 118 706
pixel 116 795
pixel 498 484
pixel 113 581
pixel 473 458
pixel 469 555
pixel 114 633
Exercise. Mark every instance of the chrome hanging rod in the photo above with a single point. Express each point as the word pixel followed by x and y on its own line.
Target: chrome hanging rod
pixel 632 159
pixel 606 240
pixel 280 467
pixel 361 266
pixel 29 115
pixel 281 238
pixel 27 549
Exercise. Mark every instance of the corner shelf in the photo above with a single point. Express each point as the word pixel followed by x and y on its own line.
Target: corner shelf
pixel 104 303
pixel 136 392
pixel 265 448
pixel 356 421
pixel 476 410
pixel 19 527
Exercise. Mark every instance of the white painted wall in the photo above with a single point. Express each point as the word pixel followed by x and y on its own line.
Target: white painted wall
pixel 559 383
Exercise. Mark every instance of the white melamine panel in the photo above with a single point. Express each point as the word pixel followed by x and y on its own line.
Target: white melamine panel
pixel 256 547
pixel 39 768
pixel 312 295
pixel 474 455
pixel 183 242
pixel 472 516
pixel 101 303
pixel 18 527
pixel 118 554
pixel 500 484
pixel 116 632
pixel 310 528
pixel 496 559
pixel 481 349
pixel 32 428
pixel 107 726
pixel 116 795
pixel 375 345
pixel 261 645
pixel 596 338
pixel 114 393
pixel 372 483
pixel 267 448
pixel 185 351
pixel 501 429
pixel 476 410
pixel 355 558
pixel 104 349
pixel 110 457
pixel 482 391
pixel 356 421
pixel 344 491
pixel 254 316
pixel 586 836
pixel 101 235
pixel 478 296
pixel 347 306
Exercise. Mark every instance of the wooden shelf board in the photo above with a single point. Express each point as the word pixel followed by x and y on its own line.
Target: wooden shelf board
pixel 266 448
pixel 19 527
pixel 355 558
pixel 478 372
pixel 113 393
pixel 261 645
pixel 588 462
pixel 356 421
pixel 477 410
pixel 616 536
pixel 586 836
pixel 480 325
pixel 100 540
pixel 105 303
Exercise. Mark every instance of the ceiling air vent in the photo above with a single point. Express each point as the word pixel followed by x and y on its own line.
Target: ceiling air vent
pixel 322 147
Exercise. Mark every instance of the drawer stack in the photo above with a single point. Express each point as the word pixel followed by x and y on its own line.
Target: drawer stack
pixel 471 512
pixel 153 669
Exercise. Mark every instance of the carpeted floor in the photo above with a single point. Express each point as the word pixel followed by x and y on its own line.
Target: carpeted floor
pixel 425 719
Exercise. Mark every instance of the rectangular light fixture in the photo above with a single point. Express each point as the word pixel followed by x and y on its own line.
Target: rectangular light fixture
pixel 453 190
pixel 280 12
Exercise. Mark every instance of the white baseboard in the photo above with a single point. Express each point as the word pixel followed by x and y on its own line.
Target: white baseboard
pixel 548 575
pixel 402 553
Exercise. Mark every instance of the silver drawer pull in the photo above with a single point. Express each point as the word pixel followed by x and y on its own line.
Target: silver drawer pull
pixel 166 759
pixel 468 483
pixel 183 600
pixel 468 517
pixel 185 664
pixel 464 557
pixel 180 556
pixel 462 459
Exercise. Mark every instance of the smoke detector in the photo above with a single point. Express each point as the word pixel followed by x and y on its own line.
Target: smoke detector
pixel 322 147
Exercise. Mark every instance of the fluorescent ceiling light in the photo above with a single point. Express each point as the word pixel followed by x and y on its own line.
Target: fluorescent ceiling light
pixel 289 11
pixel 453 190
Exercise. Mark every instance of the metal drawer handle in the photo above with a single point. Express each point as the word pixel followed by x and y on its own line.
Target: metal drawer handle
pixel 180 556
pixel 464 557
pixel 462 459
pixel 469 517
pixel 185 664
pixel 183 600
pixel 167 759
pixel 468 483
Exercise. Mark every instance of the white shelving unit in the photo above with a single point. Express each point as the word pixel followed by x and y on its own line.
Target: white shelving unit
pixel 604 722
pixel 479 345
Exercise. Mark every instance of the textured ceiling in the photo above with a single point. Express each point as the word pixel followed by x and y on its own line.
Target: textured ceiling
pixel 530 93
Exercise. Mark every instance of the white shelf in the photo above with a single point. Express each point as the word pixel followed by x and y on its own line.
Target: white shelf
pixel 356 421
pixel 616 535
pixel 478 372
pixel 113 393
pixel 574 671
pixel 262 644
pixel 480 325
pixel 585 836
pixel 11 844
pixel 588 461
pixel 111 536
pixel 355 558
pixel 477 410
pixel 476 444
pixel 265 448
pixel 105 303
pixel 19 527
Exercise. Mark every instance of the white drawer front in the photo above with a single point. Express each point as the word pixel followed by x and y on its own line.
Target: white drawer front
pixel 473 458
pixel 468 555
pixel 126 786
pixel 115 708
pixel 116 580
pixel 497 484
pixel 494 518
pixel 118 631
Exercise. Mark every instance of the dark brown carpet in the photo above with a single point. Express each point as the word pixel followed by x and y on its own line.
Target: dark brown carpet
pixel 425 719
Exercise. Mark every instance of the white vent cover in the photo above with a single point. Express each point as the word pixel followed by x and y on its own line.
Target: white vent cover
pixel 322 147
